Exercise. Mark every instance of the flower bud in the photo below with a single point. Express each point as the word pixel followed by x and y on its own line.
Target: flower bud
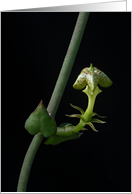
pixel 92 76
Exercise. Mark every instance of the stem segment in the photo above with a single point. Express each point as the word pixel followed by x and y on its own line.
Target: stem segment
pixel 89 111
pixel 56 97
pixel 27 163
pixel 86 118
pixel 68 62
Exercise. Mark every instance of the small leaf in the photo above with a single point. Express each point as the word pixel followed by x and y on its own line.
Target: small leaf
pixel 92 126
pixel 55 140
pixel 93 120
pixel 75 115
pixel 98 115
pixel 40 121
pixel 78 108
pixel 84 129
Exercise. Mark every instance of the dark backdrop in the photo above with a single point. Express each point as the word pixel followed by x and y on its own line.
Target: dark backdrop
pixel 33 49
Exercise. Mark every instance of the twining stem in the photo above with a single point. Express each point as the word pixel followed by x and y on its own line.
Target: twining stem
pixel 68 63
pixel 56 97
pixel 27 164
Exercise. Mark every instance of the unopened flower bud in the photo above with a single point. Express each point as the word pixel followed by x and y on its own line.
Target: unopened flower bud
pixel 92 76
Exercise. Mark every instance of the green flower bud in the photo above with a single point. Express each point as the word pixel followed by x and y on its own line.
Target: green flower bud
pixel 92 76
pixel 89 77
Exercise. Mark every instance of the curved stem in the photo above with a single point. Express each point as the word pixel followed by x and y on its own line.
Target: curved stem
pixel 89 111
pixel 56 97
pixel 27 163
pixel 68 62
pixel 79 126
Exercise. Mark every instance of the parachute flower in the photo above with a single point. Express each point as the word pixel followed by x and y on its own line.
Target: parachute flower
pixel 89 77
pixel 92 76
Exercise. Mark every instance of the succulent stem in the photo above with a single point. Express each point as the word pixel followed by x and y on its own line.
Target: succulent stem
pixel 56 96
pixel 87 116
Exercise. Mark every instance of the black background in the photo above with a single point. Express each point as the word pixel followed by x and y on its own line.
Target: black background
pixel 33 49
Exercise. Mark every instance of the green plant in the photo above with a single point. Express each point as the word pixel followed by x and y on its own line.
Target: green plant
pixel 41 122
pixel 89 77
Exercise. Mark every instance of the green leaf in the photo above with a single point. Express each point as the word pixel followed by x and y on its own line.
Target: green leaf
pixel 55 140
pixel 75 115
pixel 40 121
pixel 78 108
pixel 92 126
pixel 98 115
pixel 93 120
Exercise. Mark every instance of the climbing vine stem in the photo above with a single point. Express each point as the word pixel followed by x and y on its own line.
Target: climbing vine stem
pixel 55 98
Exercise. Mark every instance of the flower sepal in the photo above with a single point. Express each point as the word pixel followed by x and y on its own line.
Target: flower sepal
pixel 93 120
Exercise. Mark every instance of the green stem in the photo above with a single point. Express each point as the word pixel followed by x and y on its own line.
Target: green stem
pixel 89 111
pixel 68 62
pixel 56 97
pixel 86 116
pixel 27 163
pixel 79 126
